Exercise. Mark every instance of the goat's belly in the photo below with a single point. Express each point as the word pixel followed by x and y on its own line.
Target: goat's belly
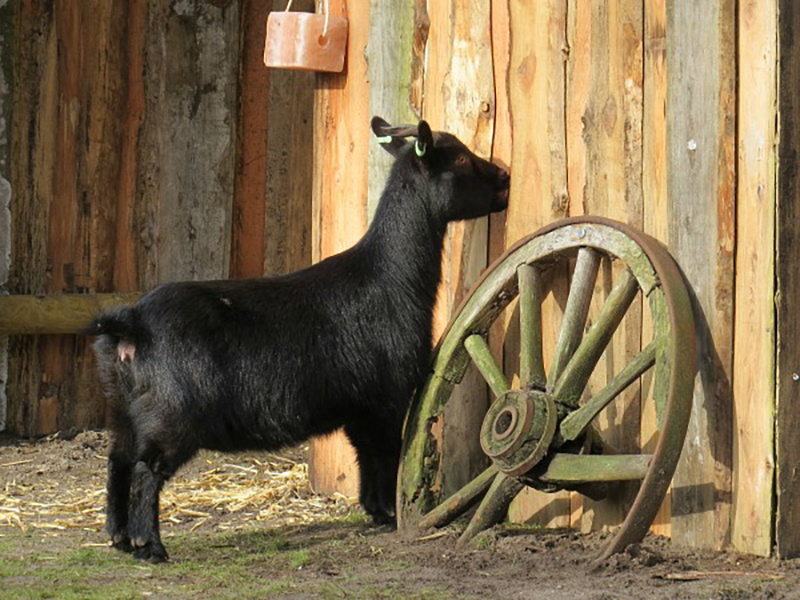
pixel 259 430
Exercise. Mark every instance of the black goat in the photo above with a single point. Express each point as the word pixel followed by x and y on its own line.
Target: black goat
pixel 264 363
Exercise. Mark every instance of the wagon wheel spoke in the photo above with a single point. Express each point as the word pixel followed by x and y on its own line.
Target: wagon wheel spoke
pixel 570 470
pixel 574 319
pixel 531 356
pixel 575 376
pixel 461 501
pixel 577 421
pixel 481 355
pixel 493 507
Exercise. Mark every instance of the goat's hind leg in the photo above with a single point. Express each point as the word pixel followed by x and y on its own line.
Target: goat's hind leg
pixel 143 527
pixel 118 487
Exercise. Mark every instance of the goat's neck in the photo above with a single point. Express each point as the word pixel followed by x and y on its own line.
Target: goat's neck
pixel 405 240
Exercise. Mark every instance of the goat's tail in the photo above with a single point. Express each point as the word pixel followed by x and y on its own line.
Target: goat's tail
pixel 118 324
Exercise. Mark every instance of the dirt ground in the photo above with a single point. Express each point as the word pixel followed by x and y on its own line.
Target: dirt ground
pixel 247 525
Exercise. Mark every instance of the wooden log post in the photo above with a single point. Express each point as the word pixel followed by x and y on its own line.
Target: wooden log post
pixel 340 198
pixel 384 64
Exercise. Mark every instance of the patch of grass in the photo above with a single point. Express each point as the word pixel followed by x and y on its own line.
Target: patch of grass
pixel 298 558
pixel 355 517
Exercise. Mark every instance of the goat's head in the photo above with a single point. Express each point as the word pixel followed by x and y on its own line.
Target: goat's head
pixel 460 184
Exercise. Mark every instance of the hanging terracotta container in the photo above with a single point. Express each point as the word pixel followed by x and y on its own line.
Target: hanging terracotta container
pixel 305 41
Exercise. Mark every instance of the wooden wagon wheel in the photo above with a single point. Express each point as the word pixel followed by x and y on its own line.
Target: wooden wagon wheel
pixel 533 433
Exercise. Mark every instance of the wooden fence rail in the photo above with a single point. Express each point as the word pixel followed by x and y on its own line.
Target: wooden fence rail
pixel 61 314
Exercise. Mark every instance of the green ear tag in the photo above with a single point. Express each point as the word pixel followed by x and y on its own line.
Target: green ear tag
pixel 387 139
pixel 420 148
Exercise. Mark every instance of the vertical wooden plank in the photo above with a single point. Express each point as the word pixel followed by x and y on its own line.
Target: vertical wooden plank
pixel 126 276
pixel 252 133
pixel 289 172
pixel 271 218
pixel 701 117
pixel 341 142
pixel 537 86
pixel 754 342
pixel 502 139
pixel 459 98
pixel 290 160
pixel 787 521
pixel 604 147
pixel 393 33
pixel 8 15
pixel 187 149
pixel 654 198
pixel 32 178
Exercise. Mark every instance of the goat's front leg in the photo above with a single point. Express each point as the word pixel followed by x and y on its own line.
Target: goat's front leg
pixel 378 457
pixel 143 514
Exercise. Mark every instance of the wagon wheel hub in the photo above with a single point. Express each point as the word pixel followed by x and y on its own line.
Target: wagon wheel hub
pixel 518 429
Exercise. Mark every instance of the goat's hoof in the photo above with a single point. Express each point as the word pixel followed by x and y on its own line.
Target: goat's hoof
pixel 383 519
pixel 121 542
pixel 153 552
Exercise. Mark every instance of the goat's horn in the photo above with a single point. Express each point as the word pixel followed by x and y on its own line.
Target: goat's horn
pixel 382 129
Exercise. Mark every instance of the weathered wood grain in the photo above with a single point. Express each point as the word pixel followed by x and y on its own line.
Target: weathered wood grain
pixel 654 198
pixel 701 141
pixel 187 144
pixel 787 522
pixel 248 212
pixel 397 37
pixel 754 341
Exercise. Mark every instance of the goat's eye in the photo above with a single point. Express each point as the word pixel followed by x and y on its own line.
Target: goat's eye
pixel 462 160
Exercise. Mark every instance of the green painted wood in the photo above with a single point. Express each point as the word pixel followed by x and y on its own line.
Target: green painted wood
pixel 493 507
pixel 577 421
pixel 461 501
pixel 531 355
pixel 576 374
pixel 574 319
pixel 481 355
pixel 574 469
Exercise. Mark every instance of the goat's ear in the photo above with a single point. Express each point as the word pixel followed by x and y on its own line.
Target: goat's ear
pixel 387 136
pixel 424 135
pixel 380 127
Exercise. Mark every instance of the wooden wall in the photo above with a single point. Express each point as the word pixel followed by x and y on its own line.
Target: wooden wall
pixel 148 143
pixel 660 114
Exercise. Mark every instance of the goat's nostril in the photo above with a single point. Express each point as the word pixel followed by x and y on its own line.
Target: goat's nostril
pixel 504 179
